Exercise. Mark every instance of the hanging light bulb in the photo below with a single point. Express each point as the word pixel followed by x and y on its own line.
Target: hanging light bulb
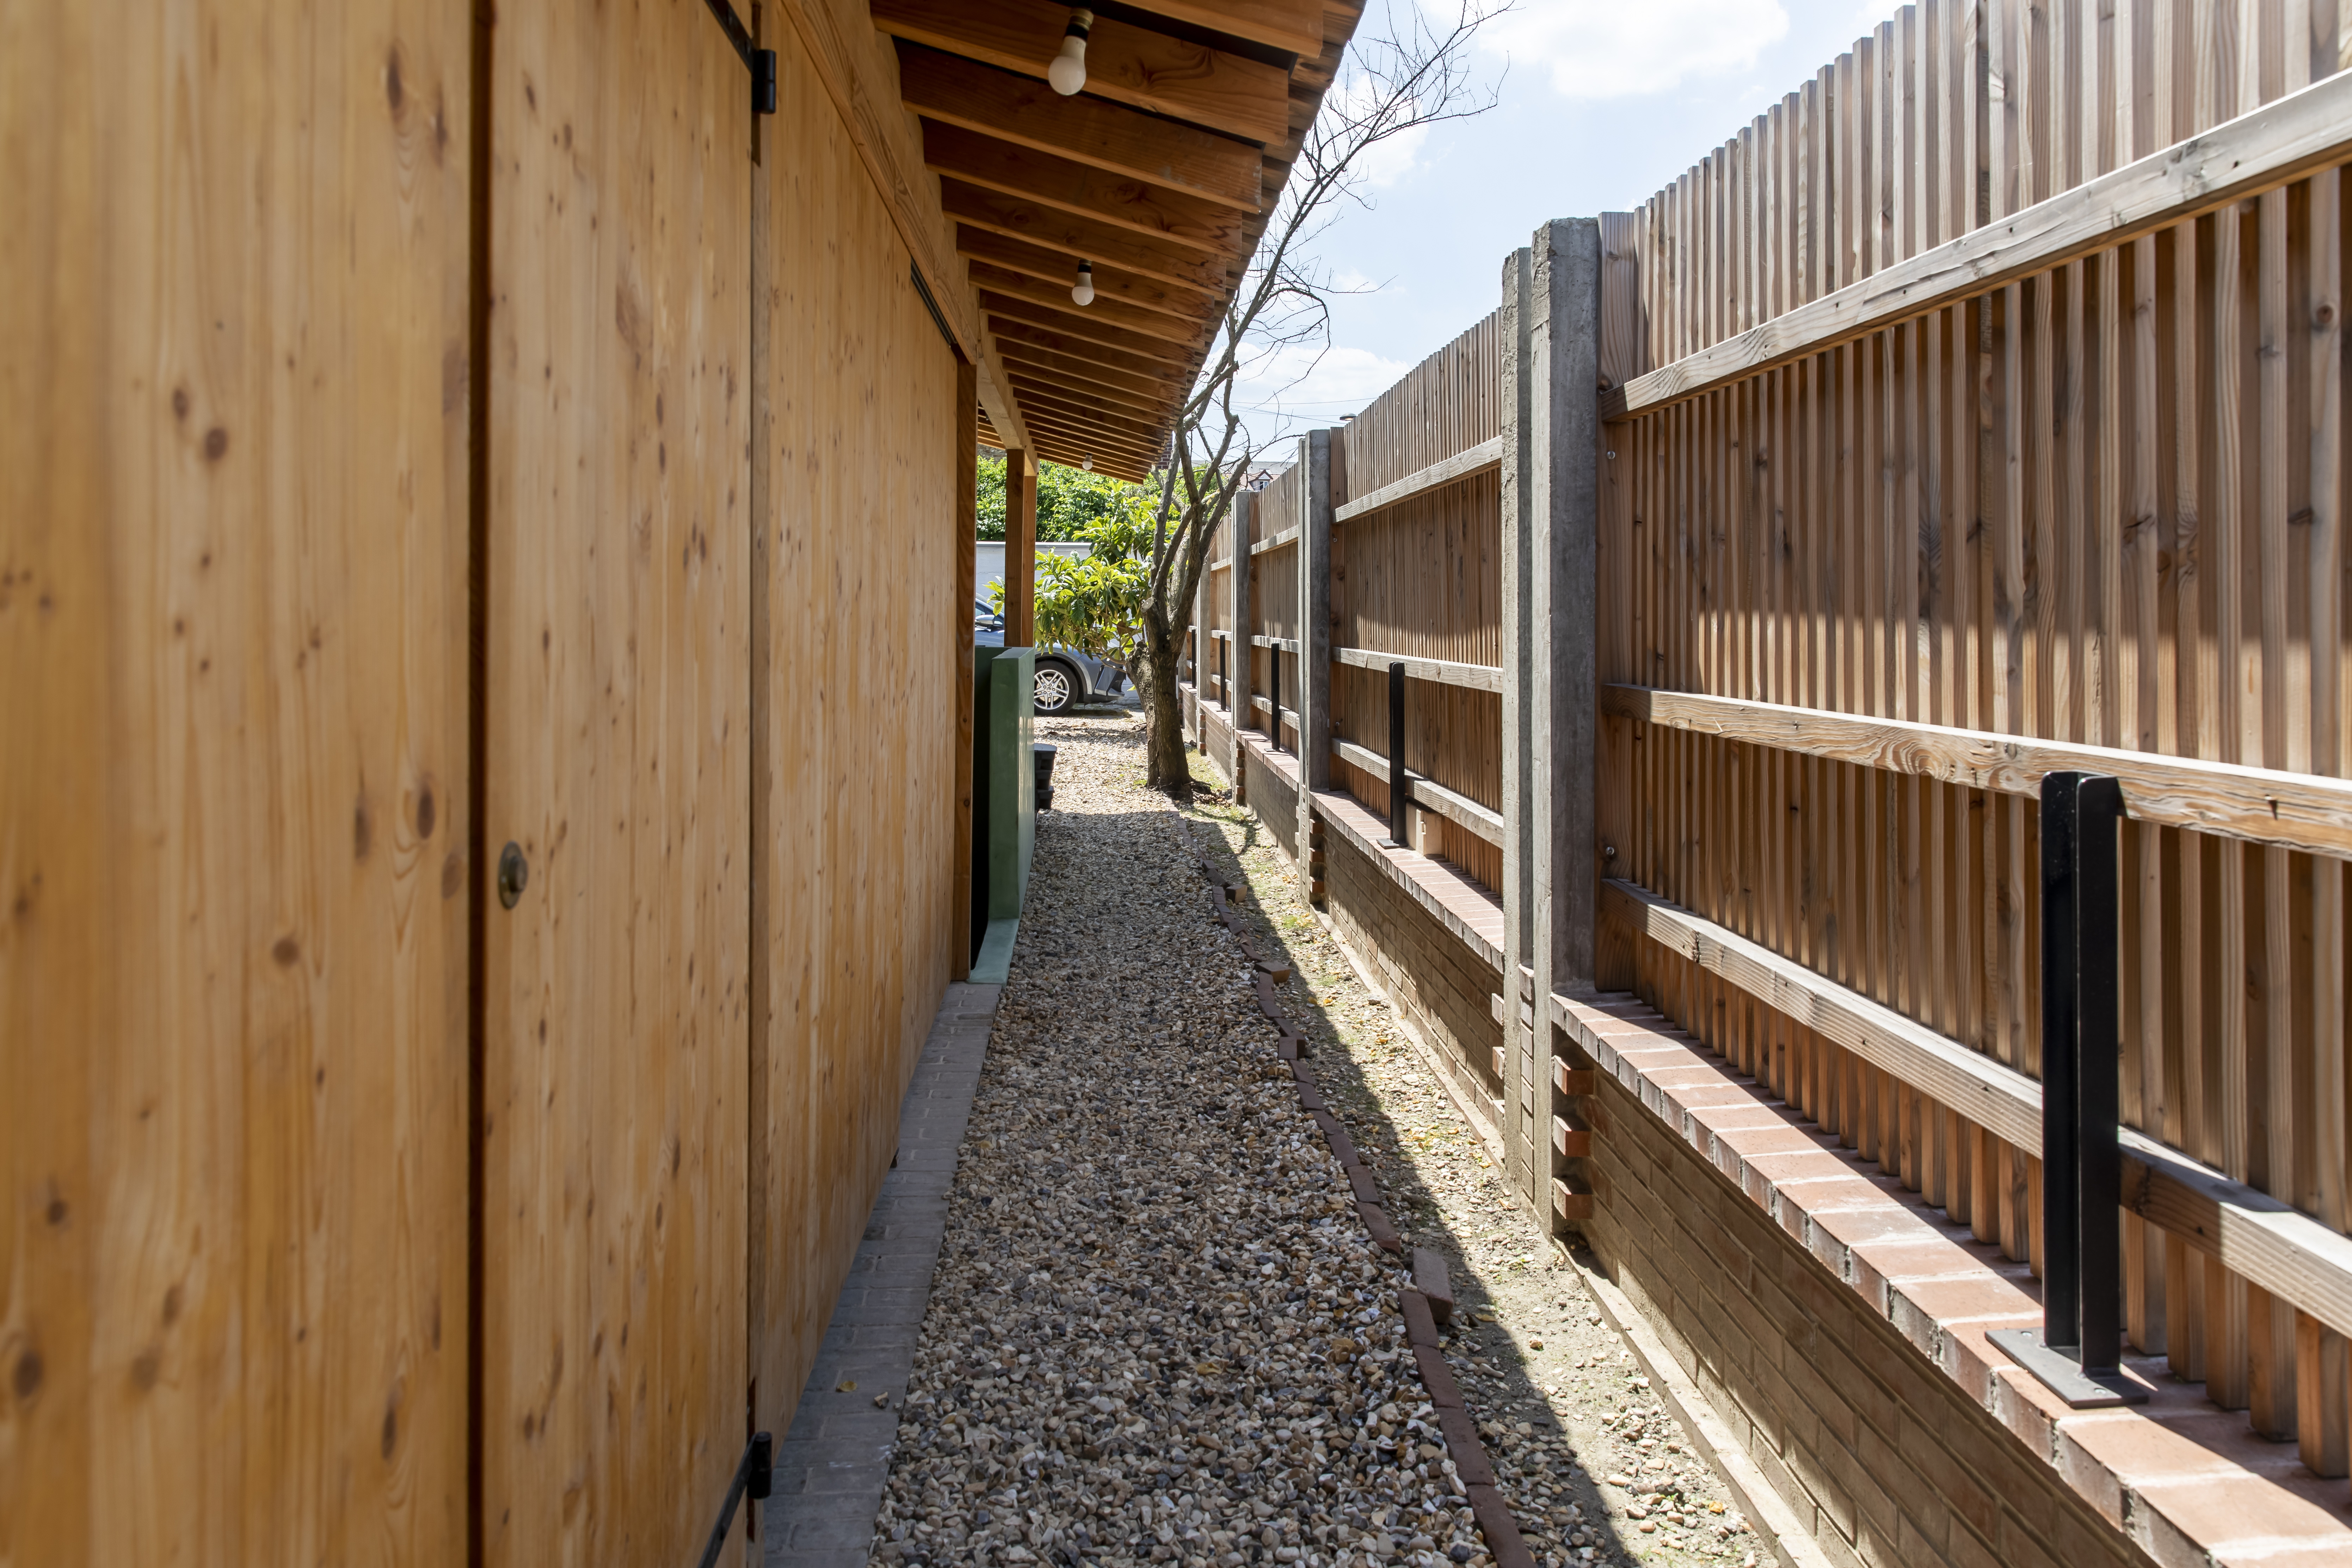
pixel 1084 293
pixel 1088 463
pixel 1068 72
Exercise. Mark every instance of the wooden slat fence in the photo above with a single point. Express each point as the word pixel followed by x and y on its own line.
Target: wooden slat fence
pixel 2098 505
pixel 1422 578
pixel 1870 563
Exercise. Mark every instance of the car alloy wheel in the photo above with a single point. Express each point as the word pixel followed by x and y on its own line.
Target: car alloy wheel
pixel 1054 690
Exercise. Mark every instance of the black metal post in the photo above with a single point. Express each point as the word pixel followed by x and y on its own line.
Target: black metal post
pixel 2061 1198
pixel 2098 1181
pixel 1273 694
pixel 1399 789
pixel 2078 1352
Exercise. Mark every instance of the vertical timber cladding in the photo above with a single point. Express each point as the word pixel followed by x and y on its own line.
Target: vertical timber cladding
pixel 2101 503
pixel 233 933
pixel 860 425
pixel 1424 578
pixel 618 721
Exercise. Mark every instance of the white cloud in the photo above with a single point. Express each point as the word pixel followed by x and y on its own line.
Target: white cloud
pixel 1291 390
pixel 1620 49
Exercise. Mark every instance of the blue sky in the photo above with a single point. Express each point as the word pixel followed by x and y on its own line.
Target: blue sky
pixel 1602 102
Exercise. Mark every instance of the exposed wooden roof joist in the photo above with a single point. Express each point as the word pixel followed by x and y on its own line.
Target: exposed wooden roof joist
pixel 1108 135
pixel 1082 240
pixel 1121 201
pixel 1183 335
pixel 1020 318
pixel 1054 266
pixel 1293 25
pixel 1175 76
pixel 1172 374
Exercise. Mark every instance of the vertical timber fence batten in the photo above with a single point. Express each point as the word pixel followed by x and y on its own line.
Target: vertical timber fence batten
pixel 1975 416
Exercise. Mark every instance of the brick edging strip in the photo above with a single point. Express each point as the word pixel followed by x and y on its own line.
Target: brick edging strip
pixel 1472 1468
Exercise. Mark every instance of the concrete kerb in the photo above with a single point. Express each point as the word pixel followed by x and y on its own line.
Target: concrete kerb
pixel 833 1465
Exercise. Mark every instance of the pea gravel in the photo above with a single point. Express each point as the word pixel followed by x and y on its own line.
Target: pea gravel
pixel 1159 1333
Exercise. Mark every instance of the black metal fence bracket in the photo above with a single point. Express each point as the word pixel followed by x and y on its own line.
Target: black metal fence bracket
pixel 1399 789
pixel 1274 695
pixel 761 63
pixel 2078 1350
pixel 754 1474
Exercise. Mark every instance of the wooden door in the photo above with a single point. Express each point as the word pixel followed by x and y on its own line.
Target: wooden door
pixel 233 767
pixel 617 712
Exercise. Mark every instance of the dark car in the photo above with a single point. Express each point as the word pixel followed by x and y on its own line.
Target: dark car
pixel 1065 678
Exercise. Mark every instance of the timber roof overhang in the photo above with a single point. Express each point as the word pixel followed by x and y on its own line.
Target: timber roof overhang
pixel 1161 175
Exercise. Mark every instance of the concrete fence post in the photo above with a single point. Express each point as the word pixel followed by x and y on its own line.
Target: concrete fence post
pixel 1314 634
pixel 1519 646
pixel 1562 519
pixel 1237 700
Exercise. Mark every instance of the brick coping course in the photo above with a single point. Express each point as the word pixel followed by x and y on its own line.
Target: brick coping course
pixel 2188 1482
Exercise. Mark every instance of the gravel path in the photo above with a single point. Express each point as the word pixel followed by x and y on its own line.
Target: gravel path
pixel 1158 1332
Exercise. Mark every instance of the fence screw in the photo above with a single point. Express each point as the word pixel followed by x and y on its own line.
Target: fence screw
pixel 514 875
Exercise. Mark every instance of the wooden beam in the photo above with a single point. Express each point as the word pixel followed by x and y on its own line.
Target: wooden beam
pixel 1188 335
pixel 1011 331
pixel 1134 66
pixel 1477 460
pixel 1070 457
pixel 1296 26
pixel 1020 551
pixel 1055 267
pixel 2261 805
pixel 1119 201
pixel 1097 443
pixel 1428 793
pixel 1149 393
pixel 2280 142
pixel 1046 421
pixel 1444 672
pixel 1016 313
pixel 1054 388
pixel 1082 240
pixel 2274 1246
pixel 1107 135
pixel 1110 416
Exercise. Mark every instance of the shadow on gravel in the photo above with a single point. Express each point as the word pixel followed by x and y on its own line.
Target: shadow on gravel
pixel 1506 1390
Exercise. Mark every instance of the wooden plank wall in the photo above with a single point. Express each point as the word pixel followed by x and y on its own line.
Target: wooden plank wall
pixel 2102 504
pixel 301 1128
pixel 618 724
pixel 862 610
pixel 1424 577
pixel 233 802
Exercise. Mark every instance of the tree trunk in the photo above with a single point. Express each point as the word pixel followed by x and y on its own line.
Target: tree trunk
pixel 1166 768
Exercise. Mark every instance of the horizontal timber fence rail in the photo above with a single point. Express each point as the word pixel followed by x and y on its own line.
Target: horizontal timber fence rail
pixel 1976 414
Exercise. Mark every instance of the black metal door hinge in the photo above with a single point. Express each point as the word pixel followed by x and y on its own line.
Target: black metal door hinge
pixel 761 63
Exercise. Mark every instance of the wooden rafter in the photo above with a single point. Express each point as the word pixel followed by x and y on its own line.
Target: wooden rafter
pixel 1175 76
pixel 1108 357
pixel 1082 240
pixel 1108 135
pixel 1189 337
pixel 1119 201
pixel 1015 316
pixel 1055 267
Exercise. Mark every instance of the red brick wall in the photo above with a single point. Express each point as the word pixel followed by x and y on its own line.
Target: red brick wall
pixel 1885 1456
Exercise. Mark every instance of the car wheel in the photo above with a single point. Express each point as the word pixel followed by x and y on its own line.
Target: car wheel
pixel 1056 689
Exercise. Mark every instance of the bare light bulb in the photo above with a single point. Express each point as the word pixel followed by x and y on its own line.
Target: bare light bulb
pixel 1087 464
pixel 1067 74
pixel 1083 291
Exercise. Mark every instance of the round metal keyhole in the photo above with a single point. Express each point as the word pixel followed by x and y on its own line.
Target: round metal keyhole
pixel 514 875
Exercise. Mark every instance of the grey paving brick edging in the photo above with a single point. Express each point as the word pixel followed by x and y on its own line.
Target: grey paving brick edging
pixel 1471 1467
pixel 832 1466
